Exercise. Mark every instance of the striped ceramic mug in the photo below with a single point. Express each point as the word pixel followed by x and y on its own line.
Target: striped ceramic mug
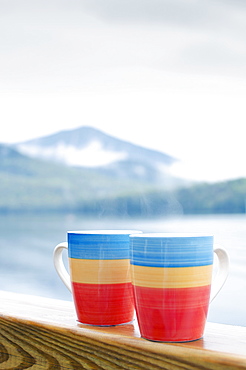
pixel 171 276
pixel 99 264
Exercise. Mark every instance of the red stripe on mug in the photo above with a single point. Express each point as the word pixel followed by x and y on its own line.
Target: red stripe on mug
pixel 172 314
pixel 103 304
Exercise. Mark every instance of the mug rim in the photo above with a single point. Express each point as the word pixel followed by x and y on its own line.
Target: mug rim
pixel 170 235
pixel 104 232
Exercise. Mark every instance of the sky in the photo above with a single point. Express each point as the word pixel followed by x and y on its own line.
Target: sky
pixel 168 75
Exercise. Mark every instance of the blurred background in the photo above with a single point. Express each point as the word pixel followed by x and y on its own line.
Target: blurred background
pixel 121 115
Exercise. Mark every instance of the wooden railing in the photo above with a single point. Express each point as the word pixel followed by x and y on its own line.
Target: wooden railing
pixel 40 333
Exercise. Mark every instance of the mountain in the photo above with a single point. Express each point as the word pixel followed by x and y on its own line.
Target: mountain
pixel 88 147
pixel 30 185
pixel 10 160
pixel 8 152
pixel 86 171
pixel 35 185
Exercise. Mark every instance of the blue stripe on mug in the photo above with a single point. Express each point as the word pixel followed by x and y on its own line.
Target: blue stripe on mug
pixel 114 245
pixel 171 252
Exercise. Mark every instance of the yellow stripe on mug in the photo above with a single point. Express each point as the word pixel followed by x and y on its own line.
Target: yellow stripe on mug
pixel 100 271
pixel 171 277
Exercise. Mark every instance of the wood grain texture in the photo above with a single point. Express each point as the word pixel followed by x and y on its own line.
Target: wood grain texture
pixel 40 333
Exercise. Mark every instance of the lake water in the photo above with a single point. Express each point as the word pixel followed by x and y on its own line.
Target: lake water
pixel 27 243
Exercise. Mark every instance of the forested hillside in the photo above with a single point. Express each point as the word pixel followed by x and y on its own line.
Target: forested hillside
pixel 33 185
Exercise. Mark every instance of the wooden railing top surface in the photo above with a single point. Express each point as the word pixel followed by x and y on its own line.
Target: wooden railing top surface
pixel 222 346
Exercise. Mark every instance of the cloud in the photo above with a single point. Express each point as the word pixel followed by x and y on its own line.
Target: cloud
pixel 69 44
pixel 188 13
pixel 174 11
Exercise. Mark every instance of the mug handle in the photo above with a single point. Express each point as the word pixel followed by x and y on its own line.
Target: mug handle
pixel 59 265
pixel 222 273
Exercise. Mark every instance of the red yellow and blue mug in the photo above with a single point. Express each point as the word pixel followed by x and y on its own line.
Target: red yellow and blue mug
pixel 171 277
pixel 100 281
